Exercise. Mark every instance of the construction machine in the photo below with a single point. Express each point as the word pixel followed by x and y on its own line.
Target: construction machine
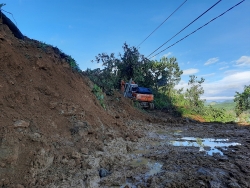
pixel 142 96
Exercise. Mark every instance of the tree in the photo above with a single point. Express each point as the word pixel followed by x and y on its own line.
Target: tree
pixel 158 70
pixel 194 92
pixel 242 100
pixel 172 75
pixel 134 65
pixel 105 78
pixel 130 65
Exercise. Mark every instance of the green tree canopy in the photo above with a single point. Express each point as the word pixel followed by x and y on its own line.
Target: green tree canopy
pixel 242 100
pixel 194 92
pixel 172 75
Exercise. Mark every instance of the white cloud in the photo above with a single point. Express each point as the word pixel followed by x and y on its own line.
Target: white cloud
pixel 228 85
pixel 223 63
pixel 182 84
pixel 190 71
pixel 243 61
pixel 212 60
pixel 223 89
pixel 206 75
pixel 167 54
pixel 230 72
pixel 222 68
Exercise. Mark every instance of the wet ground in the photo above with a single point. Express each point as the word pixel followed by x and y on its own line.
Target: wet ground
pixel 190 155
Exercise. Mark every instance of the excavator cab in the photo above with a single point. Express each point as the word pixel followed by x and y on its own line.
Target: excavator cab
pixel 130 89
pixel 142 95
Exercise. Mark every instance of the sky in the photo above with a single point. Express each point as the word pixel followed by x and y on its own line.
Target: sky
pixel 218 52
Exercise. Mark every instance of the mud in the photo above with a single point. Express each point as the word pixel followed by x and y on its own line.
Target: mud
pixel 185 166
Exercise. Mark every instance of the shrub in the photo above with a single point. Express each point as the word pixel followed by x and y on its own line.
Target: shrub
pixel 99 95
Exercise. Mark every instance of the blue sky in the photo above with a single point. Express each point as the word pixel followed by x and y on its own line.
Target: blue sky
pixel 219 52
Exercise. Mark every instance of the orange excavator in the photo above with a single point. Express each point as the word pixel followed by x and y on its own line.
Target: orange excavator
pixel 143 96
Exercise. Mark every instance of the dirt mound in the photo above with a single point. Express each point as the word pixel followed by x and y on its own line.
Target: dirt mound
pixel 48 114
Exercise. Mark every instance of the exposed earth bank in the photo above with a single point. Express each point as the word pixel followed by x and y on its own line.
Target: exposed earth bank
pixel 55 133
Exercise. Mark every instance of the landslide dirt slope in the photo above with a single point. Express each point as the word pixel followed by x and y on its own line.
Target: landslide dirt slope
pixel 48 113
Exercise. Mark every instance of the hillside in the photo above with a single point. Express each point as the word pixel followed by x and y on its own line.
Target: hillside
pixel 48 112
pixel 227 105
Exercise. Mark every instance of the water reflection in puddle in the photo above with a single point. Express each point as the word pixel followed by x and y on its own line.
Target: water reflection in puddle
pixel 205 142
pixel 154 167
pixel 165 134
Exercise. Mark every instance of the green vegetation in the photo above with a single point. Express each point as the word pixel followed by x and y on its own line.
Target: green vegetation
pixel 162 77
pixel 99 95
pixel 227 105
pixel 242 100
pixel 242 107
pixel 44 46
pixel 218 115
pixel 193 93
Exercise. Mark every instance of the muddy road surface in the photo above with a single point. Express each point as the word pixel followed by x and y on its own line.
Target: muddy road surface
pixel 180 155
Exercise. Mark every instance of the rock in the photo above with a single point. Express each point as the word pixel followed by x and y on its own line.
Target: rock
pixel 85 151
pixel 19 186
pixel 93 182
pixel 53 104
pixel 103 172
pixel 214 184
pixel 72 163
pixel 234 184
pixel 132 138
pixel 2 165
pixel 6 182
pixel 202 171
pixel 187 120
pixel 76 155
pixel 35 137
pixel 92 162
pixel 9 154
pixel 21 123
pixel 42 161
pixel 64 161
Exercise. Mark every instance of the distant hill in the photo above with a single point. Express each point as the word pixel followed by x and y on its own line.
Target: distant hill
pixel 227 105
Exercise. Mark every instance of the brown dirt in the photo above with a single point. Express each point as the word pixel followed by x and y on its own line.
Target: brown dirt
pixel 43 103
pixel 54 132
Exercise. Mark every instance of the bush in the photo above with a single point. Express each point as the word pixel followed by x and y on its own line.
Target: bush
pixel 212 114
pixel 99 95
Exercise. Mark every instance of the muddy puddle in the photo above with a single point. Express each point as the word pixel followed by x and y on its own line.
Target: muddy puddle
pixel 209 145
pixel 165 134
pixel 153 167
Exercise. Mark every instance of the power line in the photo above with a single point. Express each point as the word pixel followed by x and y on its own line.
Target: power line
pixel 186 27
pixel 199 28
pixel 161 23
